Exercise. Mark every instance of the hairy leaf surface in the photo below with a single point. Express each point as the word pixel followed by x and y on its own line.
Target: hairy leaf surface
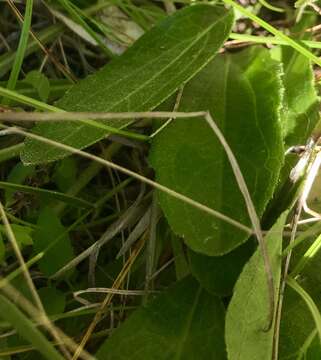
pixel 248 312
pixel 243 94
pixel 139 80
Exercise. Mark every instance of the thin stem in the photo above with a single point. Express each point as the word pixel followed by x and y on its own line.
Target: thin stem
pixel 10 152
pixel 128 172
pixel 251 211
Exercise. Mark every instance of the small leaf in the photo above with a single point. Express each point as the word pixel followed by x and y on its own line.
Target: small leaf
pixel 218 274
pixel 65 173
pixel 51 237
pixel 39 82
pixel 22 234
pixel 248 312
pixel 140 79
pixel 243 94
pixel 52 299
pixel 183 323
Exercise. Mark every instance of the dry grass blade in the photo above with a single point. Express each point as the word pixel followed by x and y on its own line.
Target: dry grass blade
pixel 105 291
pixel 37 316
pixel 136 233
pixel 119 280
pixel 157 186
pixel 77 116
pixel 251 211
pixel 127 218
pixel 59 66
pixel 305 167
pixel 186 199
pixel 27 276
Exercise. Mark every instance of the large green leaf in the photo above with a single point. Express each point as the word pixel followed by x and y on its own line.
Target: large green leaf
pixel 243 93
pixel 184 323
pixel 248 312
pixel 300 114
pixel 218 274
pixel 139 80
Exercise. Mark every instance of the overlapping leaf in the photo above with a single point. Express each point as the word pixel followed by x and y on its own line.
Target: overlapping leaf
pixel 183 323
pixel 218 274
pixel 139 80
pixel 243 94
pixel 248 312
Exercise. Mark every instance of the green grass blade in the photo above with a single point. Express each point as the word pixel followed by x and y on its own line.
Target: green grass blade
pixel 18 60
pixel 131 81
pixel 73 11
pixel 272 40
pixel 45 36
pixel 10 152
pixel 297 46
pixel 27 330
pixel 26 100
pixel 39 105
pixel 71 200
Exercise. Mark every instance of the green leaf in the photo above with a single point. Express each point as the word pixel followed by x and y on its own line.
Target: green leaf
pixel 183 323
pixel 243 94
pixel 4 347
pixel 309 302
pixel 27 329
pixel 181 266
pixel 65 174
pixel 313 352
pixel 51 237
pixel 139 80
pixel 248 312
pixel 22 234
pixel 300 97
pixel 218 274
pixel 53 300
pixel 39 82
pixel 297 324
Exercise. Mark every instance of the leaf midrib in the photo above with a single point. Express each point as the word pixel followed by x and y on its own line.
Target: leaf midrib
pixel 155 76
